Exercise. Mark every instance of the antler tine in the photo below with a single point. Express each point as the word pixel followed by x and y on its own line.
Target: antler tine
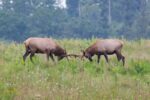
pixel 74 55
pixel 80 47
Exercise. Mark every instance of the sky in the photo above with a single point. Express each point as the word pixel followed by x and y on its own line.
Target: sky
pixel 58 3
pixel 61 4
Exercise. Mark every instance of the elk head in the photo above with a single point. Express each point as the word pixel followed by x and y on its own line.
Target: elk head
pixel 62 55
pixel 86 55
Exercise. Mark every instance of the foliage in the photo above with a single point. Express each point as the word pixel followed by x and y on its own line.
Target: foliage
pixel 82 19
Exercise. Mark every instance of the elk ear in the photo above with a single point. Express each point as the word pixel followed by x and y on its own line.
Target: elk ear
pixel 83 52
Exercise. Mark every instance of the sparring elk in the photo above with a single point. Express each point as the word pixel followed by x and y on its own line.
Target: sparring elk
pixel 44 46
pixel 105 47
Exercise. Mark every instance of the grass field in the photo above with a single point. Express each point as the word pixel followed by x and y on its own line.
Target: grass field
pixel 75 79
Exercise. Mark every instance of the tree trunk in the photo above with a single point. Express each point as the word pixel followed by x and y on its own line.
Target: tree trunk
pixel 109 12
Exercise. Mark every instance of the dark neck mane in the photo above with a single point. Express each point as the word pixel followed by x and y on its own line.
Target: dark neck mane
pixel 59 51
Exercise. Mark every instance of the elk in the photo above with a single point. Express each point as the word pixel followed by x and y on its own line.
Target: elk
pixel 105 47
pixel 44 46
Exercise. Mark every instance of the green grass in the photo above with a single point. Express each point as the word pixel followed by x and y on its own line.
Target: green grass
pixel 75 79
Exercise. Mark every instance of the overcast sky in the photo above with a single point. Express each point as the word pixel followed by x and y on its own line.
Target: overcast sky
pixel 61 4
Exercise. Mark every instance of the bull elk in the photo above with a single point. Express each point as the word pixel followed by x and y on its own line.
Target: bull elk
pixel 44 46
pixel 105 47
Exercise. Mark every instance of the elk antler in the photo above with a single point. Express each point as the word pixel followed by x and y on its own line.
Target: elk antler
pixel 74 55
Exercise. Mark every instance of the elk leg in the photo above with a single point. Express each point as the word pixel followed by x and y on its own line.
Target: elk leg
pixel 90 59
pixel 98 58
pixel 123 60
pixel 31 55
pixel 106 57
pixel 120 57
pixel 47 54
pixel 52 57
pixel 25 55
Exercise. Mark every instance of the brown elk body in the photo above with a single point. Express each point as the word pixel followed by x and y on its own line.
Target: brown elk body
pixel 105 47
pixel 44 46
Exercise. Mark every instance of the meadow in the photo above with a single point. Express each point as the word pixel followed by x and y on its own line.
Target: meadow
pixel 75 79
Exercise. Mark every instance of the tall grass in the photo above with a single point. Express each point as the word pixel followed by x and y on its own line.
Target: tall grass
pixel 75 79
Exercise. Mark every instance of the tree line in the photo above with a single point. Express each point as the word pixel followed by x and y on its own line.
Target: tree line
pixel 20 19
